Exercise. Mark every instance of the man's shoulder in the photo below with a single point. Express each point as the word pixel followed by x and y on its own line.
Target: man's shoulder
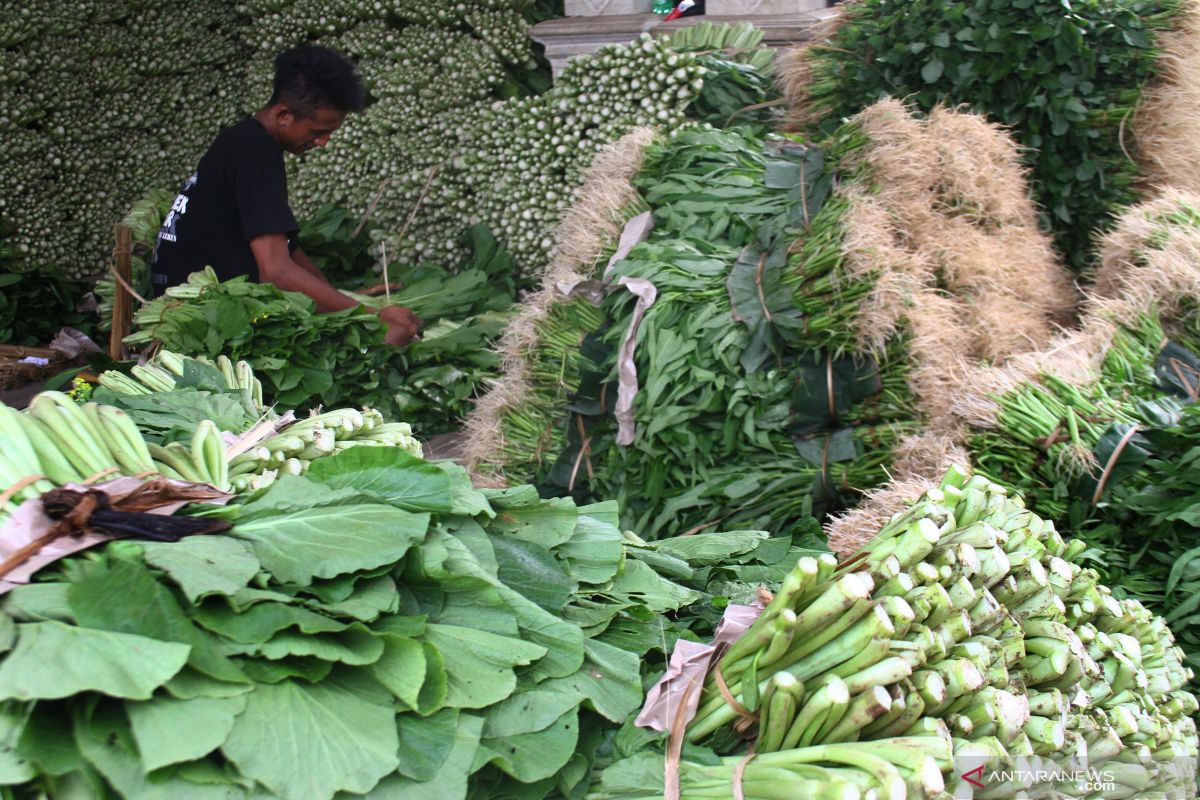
pixel 245 134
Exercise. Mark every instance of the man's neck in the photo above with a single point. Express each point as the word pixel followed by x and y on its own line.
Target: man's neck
pixel 265 118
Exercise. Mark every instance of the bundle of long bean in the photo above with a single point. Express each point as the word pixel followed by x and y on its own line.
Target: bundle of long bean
pixel 964 624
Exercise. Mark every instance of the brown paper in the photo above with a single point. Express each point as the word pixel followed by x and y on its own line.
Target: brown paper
pixel 29 523
pixel 689 664
pixel 627 380
pixel 636 231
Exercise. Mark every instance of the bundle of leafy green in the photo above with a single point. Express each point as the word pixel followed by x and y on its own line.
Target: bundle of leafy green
pixel 1064 77
pixel 739 85
pixel 1145 536
pixel 435 380
pixel 199 393
pixel 306 359
pixel 296 352
pixel 733 424
pixel 377 627
pixel 338 242
pixel 35 303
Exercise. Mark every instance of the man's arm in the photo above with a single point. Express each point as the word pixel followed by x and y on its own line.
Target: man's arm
pixel 292 274
pixel 301 258
pixel 277 266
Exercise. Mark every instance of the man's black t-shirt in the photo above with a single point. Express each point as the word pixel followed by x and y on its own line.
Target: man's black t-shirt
pixel 238 192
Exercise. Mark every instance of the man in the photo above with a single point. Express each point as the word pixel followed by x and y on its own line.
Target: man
pixel 233 212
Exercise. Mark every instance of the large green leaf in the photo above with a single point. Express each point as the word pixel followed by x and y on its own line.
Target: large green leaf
pixel 308 742
pixel 324 542
pixel 425 742
pixel 531 570
pixel 710 548
pixel 313 670
pixel 531 757
pixel 204 565
pixel 530 710
pixel 388 473
pixel 189 684
pixel 356 646
pixel 479 665
pixel 105 740
pixel 401 668
pixel 168 731
pixel 48 740
pixel 38 602
pixel 471 552
pixel 86 660
pixel 369 599
pixel 14 766
pixel 465 499
pixel 641 584
pixel 123 597
pixel 548 523
pixel 594 552
pixel 609 681
pixel 450 780
pixel 261 621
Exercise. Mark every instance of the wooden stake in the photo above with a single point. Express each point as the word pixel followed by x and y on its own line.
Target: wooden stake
pixel 122 319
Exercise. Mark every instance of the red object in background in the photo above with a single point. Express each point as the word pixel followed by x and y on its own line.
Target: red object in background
pixel 680 9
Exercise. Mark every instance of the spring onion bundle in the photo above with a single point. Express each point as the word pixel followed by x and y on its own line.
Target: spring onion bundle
pixel 1063 425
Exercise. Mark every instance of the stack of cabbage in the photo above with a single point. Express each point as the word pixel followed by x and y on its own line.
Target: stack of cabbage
pixel 965 634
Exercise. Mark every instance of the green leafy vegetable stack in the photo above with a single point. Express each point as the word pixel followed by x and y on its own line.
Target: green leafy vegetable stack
pixel 814 307
pixel 305 359
pixel 1066 78
pixel 376 626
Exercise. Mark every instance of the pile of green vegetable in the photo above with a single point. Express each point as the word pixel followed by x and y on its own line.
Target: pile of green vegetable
pixel 466 643
pixel 810 312
pixel 1064 78
pixel 1107 451
pixel 195 431
pixel 964 634
pixel 306 359
pixel 169 396
pixel 35 303
pixel 463 128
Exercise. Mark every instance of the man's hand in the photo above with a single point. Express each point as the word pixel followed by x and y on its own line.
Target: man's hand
pixel 402 323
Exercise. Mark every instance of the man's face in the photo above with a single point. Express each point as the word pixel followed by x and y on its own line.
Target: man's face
pixel 299 133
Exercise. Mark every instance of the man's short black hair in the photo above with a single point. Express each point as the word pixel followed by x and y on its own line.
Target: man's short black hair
pixel 309 78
